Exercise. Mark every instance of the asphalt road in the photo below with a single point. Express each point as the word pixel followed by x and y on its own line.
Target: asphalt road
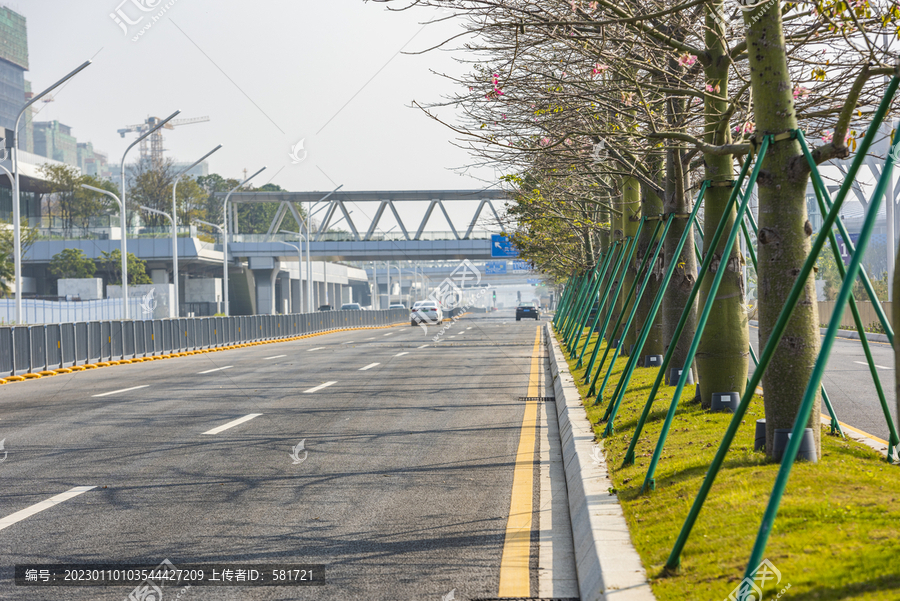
pixel 849 384
pixel 402 489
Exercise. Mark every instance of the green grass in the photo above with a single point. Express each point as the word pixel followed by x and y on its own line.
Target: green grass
pixel 837 535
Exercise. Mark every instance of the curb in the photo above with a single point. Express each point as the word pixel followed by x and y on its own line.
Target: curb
pixel 608 566
pixel 851 334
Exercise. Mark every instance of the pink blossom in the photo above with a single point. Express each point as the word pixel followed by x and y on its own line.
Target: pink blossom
pixel 800 91
pixel 745 128
pixel 545 141
pixel 599 68
pixel 712 89
pixel 503 115
pixel 686 60
pixel 593 5
pixel 828 137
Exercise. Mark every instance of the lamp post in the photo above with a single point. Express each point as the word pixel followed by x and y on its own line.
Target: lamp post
pixel 309 206
pixel 221 229
pixel 299 248
pixel 174 220
pixel 124 189
pixel 225 237
pixel 17 209
pixel 122 243
pixel 174 253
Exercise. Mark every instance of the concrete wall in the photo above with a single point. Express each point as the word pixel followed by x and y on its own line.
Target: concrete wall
pixel 203 290
pixel 155 298
pixel 84 288
pixel 866 313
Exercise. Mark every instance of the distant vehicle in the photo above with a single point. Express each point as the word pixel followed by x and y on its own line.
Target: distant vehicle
pixel 527 310
pixel 325 308
pixel 426 312
pixel 397 306
pixel 351 307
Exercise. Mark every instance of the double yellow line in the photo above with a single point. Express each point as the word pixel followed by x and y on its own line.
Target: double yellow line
pixel 514 563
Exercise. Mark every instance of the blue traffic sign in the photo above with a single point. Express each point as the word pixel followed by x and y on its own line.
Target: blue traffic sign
pixel 534 281
pixel 521 266
pixel 501 246
pixel 495 267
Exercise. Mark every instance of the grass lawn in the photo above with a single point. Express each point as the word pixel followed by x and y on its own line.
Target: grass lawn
pixel 837 535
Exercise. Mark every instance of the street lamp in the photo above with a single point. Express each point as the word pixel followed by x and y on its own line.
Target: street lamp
pixel 174 254
pixel 17 209
pixel 124 188
pixel 122 243
pixel 309 206
pixel 299 248
pixel 174 221
pixel 225 236
pixel 221 229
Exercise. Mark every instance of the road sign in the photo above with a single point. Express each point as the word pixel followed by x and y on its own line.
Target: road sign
pixel 495 267
pixel 534 281
pixel 501 246
pixel 521 266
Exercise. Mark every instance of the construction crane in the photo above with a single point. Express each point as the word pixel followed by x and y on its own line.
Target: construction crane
pixel 152 146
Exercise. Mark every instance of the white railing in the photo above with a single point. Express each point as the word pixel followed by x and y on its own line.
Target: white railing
pixel 44 311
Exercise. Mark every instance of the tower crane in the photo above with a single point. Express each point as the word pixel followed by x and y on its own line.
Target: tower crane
pixel 152 147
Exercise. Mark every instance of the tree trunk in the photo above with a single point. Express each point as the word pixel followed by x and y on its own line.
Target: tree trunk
pixel 651 204
pixel 617 232
pixel 723 354
pixel 678 202
pixel 631 206
pixel 784 232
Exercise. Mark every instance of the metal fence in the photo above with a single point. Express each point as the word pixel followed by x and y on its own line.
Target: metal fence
pixel 31 349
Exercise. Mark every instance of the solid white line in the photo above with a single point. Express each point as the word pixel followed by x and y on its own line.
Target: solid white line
pixel 876 365
pixel 318 348
pixel 209 371
pixel 30 511
pixel 320 387
pixel 423 346
pixel 276 357
pixel 401 354
pixel 369 366
pixel 123 390
pixel 234 423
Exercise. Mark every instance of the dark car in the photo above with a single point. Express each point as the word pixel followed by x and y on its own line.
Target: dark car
pixel 527 310
pixel 325 308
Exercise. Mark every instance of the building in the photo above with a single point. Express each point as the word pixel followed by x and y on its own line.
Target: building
pixel 13 64
pixel 55 141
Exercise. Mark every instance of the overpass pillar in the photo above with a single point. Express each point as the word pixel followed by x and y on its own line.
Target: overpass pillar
pixel 265 272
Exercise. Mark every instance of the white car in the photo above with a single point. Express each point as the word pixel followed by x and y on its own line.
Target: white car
pixel 427 312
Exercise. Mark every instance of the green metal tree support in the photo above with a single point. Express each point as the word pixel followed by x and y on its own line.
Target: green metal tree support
pixel 775 337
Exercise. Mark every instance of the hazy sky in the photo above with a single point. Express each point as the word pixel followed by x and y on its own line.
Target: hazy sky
pixel 268 74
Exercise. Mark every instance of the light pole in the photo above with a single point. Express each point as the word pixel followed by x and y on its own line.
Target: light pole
pixel 299 248
pixel 399 279
pixel 124 189
pixel 221 229
pixel 309 206
pixel 17 209
pixel 122 242
pixel 225 237
pixel 174 254
pixel 174 221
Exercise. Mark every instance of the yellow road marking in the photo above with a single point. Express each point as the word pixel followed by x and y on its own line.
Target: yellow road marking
pixel 515 580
